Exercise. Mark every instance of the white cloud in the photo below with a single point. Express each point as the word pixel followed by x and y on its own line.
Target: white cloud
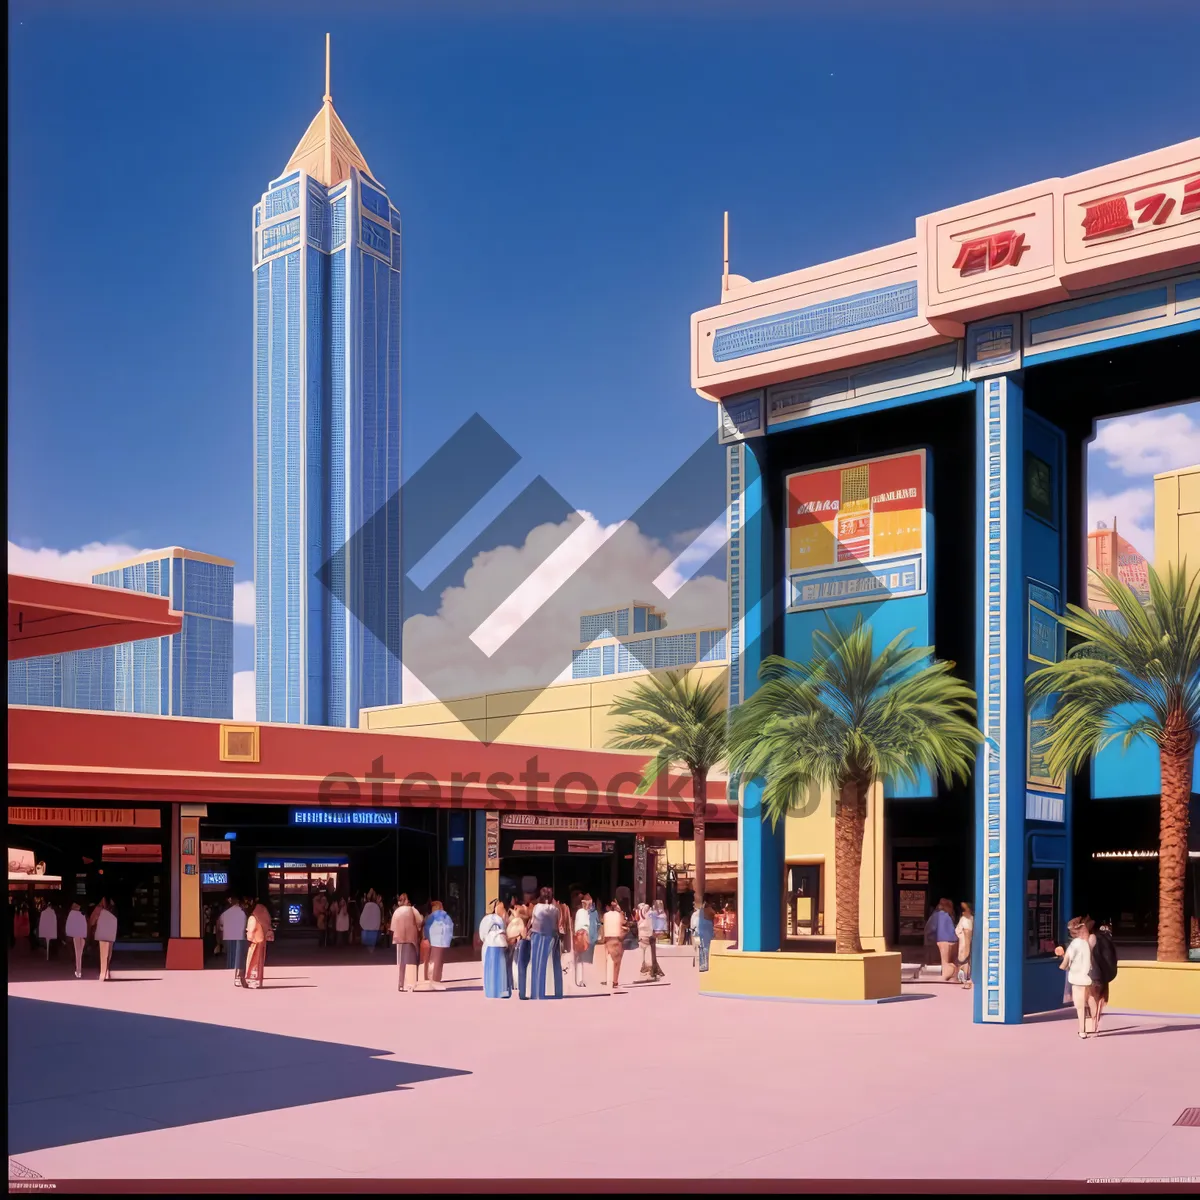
pixel 75 566
pixel 1147 443
pixel 243 602
pixel 522 604
pixel 1133 512
pixel 698 547
pixel 244 705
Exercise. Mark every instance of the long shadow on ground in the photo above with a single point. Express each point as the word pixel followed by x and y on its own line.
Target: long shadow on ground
pixel 76 1073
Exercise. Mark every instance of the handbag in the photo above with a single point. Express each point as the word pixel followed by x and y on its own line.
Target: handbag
pixel 581 941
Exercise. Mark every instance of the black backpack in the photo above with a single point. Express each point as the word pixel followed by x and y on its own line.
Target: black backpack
pixel 1104 959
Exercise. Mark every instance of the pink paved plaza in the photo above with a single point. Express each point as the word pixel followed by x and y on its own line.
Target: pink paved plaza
pixel 329 1073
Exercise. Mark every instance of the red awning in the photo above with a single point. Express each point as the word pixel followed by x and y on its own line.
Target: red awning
pixel 48 616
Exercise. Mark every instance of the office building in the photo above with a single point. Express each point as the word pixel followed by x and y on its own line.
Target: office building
pixel 326 261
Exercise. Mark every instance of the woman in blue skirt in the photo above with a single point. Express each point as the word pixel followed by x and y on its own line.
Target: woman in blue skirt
pixel 546 947
pixel 497 980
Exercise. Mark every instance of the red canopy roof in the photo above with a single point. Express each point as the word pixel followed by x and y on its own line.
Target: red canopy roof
pixel 59 753
pixel 47 616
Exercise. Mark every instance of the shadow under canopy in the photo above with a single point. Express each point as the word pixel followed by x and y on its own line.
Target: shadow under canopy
pixel 76 1074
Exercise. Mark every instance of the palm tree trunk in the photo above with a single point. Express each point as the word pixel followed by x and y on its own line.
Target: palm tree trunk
pixel 849 822
pixel 1175 762
pixel 699 809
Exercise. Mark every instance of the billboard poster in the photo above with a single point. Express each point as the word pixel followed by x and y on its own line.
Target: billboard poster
pixel 856 532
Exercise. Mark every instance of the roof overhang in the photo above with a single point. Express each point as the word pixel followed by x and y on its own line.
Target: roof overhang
pixel 49 616
pixel 55 753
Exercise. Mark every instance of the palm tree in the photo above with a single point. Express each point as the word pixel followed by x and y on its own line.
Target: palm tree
pixel 680 721
pixel 1135 677
pixel 844 720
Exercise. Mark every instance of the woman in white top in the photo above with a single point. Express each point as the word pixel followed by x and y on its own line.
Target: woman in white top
pixel 105 922
pixel 583 938
pixel 965 930
pixel 77 932
pixel 48 927
pixel 1077 962
pixel 342 921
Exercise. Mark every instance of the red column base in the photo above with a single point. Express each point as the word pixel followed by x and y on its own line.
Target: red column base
pixel 185 954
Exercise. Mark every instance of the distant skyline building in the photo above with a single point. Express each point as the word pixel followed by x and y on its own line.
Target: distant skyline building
pixel 326 262
pixel 188 674
pixel 634 637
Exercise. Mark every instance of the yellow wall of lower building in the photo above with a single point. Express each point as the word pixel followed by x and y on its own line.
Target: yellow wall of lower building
pixel 808 838
pixel 569 716
pixel 1156 987
pixel 1177 518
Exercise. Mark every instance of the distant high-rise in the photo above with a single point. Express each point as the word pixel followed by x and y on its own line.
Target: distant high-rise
pixel 326 432
pixel 188 674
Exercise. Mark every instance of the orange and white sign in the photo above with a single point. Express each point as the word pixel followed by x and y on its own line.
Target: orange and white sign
pixel 856 513
pixel 856 532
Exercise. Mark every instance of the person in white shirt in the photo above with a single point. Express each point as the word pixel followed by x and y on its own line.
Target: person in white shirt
pixel 1077 962
pixel 965 930
pixel 232 923
pixel 104 921
pixel 48 927
pixel 77 932
pixel 369 921
pixel 583 947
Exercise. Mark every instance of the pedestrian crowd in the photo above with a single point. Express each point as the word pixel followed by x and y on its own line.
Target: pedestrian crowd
pixel 530 945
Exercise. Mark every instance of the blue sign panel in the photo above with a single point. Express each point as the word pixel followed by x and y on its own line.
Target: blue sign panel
pixel 214 879
pixel 343 816
pixel 845 315
pixel 881 580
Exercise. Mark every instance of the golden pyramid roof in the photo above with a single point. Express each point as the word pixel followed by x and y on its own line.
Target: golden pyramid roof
pixel 327 151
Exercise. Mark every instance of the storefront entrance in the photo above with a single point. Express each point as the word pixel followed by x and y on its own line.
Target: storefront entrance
pixel 291 884
pixel 114 852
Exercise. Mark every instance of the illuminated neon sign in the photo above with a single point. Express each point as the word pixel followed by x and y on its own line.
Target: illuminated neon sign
pixel 343 816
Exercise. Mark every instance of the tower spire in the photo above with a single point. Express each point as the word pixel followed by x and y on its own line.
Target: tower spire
pixel 327 112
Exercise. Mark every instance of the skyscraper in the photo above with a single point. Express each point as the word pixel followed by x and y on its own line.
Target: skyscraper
pixel 189 674
pixel 326 432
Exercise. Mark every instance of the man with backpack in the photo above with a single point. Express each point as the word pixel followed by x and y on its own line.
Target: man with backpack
pixel 1103 969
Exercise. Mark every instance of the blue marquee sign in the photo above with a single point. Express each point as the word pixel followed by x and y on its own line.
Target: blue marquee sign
pixel 343 816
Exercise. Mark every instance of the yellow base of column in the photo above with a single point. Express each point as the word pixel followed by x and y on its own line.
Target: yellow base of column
pixel 1167 989
pixel 779 975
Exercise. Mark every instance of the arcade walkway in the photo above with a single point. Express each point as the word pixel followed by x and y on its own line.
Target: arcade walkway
pixel 328 1073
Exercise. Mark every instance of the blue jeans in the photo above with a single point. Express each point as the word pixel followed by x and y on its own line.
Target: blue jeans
pixel 235 955
pixel 546 953
pixel 702 952
pixel 370 937
pixel 524 953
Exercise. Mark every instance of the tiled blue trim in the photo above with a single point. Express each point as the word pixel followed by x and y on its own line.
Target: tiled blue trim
pixel 872 406
pixel 1104 345
pixel 1114 306
pixel 847 314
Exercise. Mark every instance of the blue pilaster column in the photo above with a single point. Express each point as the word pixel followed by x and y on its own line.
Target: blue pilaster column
pixel 1001 766
pixel 752 555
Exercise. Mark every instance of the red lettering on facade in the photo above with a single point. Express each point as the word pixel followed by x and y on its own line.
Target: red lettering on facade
pixel 1004 249
pixel 1105 218
pixel 986 254
pixel 1156 208
pixel 972 257
pixel 1191 197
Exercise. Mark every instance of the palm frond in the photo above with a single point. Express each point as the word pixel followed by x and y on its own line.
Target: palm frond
pixel 1124 683
pixel 675 718
pixel 850 713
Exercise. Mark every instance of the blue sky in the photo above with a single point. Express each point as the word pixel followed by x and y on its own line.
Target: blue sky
pixel 561 171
